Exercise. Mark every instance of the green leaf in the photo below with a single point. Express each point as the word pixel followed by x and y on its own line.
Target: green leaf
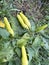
pixel 31 63
pixel 32 25
pixel 37 43
pixel 18 51
pixel 30 53
pixel 6 51
pixel 46 45
pixel 4 33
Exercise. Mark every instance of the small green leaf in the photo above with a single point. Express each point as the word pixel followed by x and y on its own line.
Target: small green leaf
pixel 37 43
pixel 32 25
pixel 4 33
pixel 17 50
pixel 30 53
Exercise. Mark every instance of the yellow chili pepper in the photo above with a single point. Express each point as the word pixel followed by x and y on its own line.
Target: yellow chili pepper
pixel 41 28
pixel 8 27
pixel 24 56
pixel 2 24
pixel 22 22
pixel 26 21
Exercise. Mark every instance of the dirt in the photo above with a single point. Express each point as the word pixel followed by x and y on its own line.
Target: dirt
pixel 30 7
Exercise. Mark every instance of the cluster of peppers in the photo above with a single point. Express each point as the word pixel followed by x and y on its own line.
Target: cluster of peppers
pixel 23 20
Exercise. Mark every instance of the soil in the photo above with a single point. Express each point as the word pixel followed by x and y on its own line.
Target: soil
pixel 30 7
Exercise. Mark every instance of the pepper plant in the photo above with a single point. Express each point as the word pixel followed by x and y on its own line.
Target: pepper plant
pixel 35 41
